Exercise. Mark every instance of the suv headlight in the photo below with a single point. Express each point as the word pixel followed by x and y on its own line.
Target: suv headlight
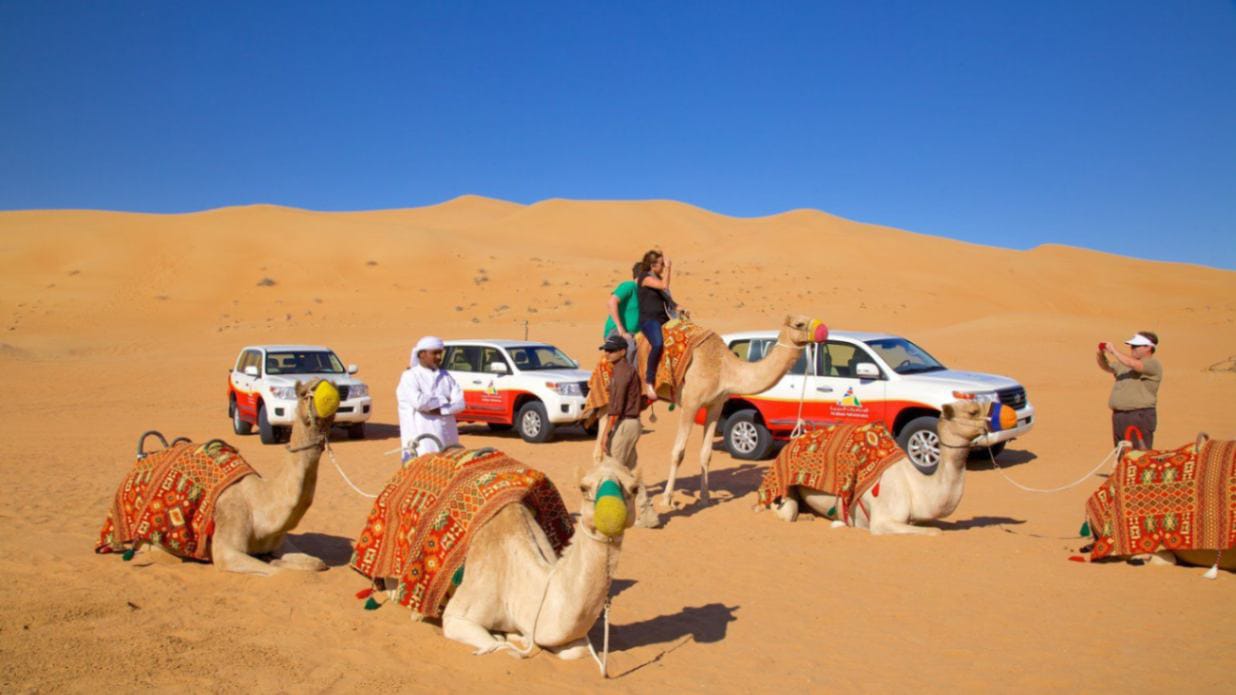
pixel 283 393
pixel 358 391
pixel 570 388
pixel 980 396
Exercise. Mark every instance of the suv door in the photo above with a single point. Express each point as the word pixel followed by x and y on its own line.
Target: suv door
pixel 779 404
pixel 246 387
pixel 463 363
pixel 835 391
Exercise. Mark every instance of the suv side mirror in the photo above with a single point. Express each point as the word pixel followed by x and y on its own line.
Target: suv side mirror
pixel 498 368
pixel 867 370
pixel 252 370
pixel 352 369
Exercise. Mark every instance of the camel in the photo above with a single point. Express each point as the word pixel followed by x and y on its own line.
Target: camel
pixel 905 492
pixel 716 374
pixel 514 586
pixel 254 516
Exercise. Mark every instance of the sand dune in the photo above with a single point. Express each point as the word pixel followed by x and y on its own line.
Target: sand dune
pixel 113 323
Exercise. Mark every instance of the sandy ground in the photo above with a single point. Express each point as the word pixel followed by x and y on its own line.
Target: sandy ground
pixel 112 323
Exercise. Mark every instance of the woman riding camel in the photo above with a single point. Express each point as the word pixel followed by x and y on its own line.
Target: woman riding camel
pixel 655 307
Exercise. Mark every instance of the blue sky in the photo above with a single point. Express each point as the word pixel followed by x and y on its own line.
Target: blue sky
pixel 1108 125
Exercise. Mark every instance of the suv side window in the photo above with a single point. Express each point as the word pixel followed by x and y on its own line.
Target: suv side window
pixel 741 348
pixel 762 346
pixel 462 358
pixel 251 357
pixel 842 359
pixel 490 356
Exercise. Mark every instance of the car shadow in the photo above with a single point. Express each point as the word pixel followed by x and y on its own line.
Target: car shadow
pixel 335 551
pixel 1007 459
pixel 373 430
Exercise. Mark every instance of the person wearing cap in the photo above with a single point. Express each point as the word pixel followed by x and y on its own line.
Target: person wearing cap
pixel 623 306
pixel 1135 393
pixel 428 400
pixel 623 427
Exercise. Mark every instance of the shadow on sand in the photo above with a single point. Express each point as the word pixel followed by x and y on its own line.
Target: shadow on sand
pixel 1007 459
pixel 732 482
pixel 335 551
pixel 976 522
pixel 704 624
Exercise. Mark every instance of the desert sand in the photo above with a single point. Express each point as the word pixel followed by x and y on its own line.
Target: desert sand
pixel 114 323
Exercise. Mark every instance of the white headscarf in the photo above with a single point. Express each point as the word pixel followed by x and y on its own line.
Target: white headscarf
pixel 429 342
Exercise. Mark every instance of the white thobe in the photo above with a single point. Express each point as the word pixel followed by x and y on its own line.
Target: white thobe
pixel 420 392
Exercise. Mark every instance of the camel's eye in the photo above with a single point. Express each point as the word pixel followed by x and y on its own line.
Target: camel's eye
pixel 583 490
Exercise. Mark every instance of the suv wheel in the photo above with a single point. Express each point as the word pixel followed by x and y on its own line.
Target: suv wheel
pixel 266 431
pixel 921 441
pixel 238 426
pixel 356 431
pixel 533 424
pixel 746 437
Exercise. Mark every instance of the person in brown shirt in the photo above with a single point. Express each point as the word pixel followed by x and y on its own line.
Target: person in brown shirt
pixel 625 403
pixel 1135 392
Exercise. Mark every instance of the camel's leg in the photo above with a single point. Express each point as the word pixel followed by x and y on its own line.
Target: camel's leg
pixel 463 630
pixel 230 559
pixel 572 650
pixel 787 510
pixel 710 429
pixel 291 558
pixel 819 502
pixel 685 420
pixel 647 516
pixel 899 528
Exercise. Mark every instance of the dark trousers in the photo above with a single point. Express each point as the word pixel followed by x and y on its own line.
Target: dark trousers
pixel 1128 424
pixel 656 344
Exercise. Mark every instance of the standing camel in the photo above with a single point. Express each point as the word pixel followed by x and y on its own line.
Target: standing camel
pixel 716 374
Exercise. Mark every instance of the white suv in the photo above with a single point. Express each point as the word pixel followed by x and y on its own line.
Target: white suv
pixel 531 386
pixel 862 377
pixel 261 389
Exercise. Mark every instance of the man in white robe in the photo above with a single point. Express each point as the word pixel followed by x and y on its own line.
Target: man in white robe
pixel 428 400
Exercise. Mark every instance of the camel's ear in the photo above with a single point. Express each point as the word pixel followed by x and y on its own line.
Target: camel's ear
pixel 788 321
pixel 301 388
pixel 948 411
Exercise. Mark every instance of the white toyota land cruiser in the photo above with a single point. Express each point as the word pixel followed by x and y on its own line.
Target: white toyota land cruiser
pixel 261 389
pixel 531 386
pixel 862 377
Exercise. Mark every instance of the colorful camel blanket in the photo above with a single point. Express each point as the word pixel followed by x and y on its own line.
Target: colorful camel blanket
pixel 680 337
pixel 420 525
pixel 843 460
pixel 169 499
pixel 1178 499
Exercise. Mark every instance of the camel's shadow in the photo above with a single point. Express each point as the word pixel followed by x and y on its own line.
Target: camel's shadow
pixel 733 482
pixel 1007 459
pixel 976 522
pixel 373 430
pixel 704 624
pixel 335 551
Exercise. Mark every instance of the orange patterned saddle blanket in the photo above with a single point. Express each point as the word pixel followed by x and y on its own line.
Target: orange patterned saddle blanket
pixel 422 522
pixel 169 497
pixel 843 460
pixel 1176 499
pixel 680 338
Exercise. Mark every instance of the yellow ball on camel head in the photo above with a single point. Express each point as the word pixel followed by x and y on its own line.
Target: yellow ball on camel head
pixel 609 513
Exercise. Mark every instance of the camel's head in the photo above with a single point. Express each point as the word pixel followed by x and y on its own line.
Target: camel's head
pixel 972 418
pixel 608 489
pixel 803 330
pixel 316 404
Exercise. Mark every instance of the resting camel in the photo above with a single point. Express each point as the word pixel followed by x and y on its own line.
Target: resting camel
pixel 905 493
pixel 514 586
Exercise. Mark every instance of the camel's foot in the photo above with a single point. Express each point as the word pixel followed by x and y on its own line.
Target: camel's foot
pixel 787 509
pixel 473 635
pixel 894 528
pixel 1163 558
pixel 574 650
pixel 299 561
pixel 648 518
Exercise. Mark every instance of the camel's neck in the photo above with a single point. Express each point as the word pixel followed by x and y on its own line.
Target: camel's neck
pixel 948 483
pixel 578 587
pixel 291 491
pixel 753 377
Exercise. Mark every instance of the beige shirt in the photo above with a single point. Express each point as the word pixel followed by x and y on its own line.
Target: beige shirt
pixel 1133 389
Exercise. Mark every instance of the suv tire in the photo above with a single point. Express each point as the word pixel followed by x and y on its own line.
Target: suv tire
pixel 920 439
pixel 533 423
pixel 266 431
pixel 238 426
pixel 747 438
pixel 356 431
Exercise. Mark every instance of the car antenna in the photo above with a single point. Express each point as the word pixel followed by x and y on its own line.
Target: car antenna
pixel 525 329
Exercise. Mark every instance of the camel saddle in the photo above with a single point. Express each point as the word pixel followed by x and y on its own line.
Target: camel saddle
pixel 843 460
pixel 1176 499
pixel 169 497
pixel 680 338
pixel 421 524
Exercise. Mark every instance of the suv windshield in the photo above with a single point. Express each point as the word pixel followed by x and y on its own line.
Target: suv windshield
pixel 540 357
pixel 903 356
pixel 314 362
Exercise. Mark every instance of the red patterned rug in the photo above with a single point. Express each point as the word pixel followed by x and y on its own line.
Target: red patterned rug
pixel 681 338
pixel 843 460
pixel 1177 499
pixel 169 499
pixel 419 528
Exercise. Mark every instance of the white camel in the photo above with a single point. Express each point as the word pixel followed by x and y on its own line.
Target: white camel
pixel 907 494
pixel 516 587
